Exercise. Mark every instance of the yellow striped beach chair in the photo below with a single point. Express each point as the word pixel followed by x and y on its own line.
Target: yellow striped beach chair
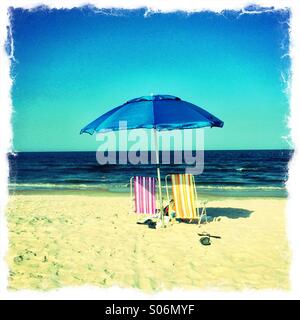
pixel 185 197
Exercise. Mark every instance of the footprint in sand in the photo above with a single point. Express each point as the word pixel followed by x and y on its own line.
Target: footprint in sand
pixel 19 259
pixel 110 274
pixel 90 267
pixel 23 256
pixel 36 220
pixel 112 253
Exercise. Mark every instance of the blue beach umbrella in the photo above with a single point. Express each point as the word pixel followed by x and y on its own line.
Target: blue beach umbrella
pixel 158 112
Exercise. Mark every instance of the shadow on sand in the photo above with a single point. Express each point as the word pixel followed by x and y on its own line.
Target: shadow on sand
pixel 232 213
pixel 217 213
pixel 212 214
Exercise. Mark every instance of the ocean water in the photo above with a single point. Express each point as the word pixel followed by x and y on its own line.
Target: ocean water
pixel 226 173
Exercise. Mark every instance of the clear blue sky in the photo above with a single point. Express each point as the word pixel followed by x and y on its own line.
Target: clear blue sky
pixel 73 65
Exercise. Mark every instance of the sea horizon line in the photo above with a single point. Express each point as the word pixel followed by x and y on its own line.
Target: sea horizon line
pixel 90 151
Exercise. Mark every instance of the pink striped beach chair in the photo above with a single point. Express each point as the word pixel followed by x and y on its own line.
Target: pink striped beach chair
pixel 142 190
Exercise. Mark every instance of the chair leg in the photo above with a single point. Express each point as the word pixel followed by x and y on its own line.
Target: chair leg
pixel 203 213
pixel 132 207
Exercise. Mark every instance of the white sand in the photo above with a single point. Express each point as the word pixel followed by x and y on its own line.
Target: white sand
pixel 67 240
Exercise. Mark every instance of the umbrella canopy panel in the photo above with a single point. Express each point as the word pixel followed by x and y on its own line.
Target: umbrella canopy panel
pixel 162 112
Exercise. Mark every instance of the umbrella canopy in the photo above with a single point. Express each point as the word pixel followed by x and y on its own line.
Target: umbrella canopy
pixel 162 112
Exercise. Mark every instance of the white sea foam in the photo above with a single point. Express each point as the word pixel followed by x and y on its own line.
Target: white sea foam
pixel 121 186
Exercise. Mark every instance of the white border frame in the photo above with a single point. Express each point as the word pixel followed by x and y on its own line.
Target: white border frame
pixel 114 293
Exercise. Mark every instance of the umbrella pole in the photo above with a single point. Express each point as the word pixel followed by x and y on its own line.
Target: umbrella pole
pixel 158 177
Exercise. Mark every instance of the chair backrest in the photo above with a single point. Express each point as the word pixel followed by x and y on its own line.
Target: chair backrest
pixel 144 194
pixel 183 189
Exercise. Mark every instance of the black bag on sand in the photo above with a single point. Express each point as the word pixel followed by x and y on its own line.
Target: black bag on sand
pixel 205 238
pixel 205 241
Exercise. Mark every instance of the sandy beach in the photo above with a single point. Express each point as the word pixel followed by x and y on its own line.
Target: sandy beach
pixel 69 240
